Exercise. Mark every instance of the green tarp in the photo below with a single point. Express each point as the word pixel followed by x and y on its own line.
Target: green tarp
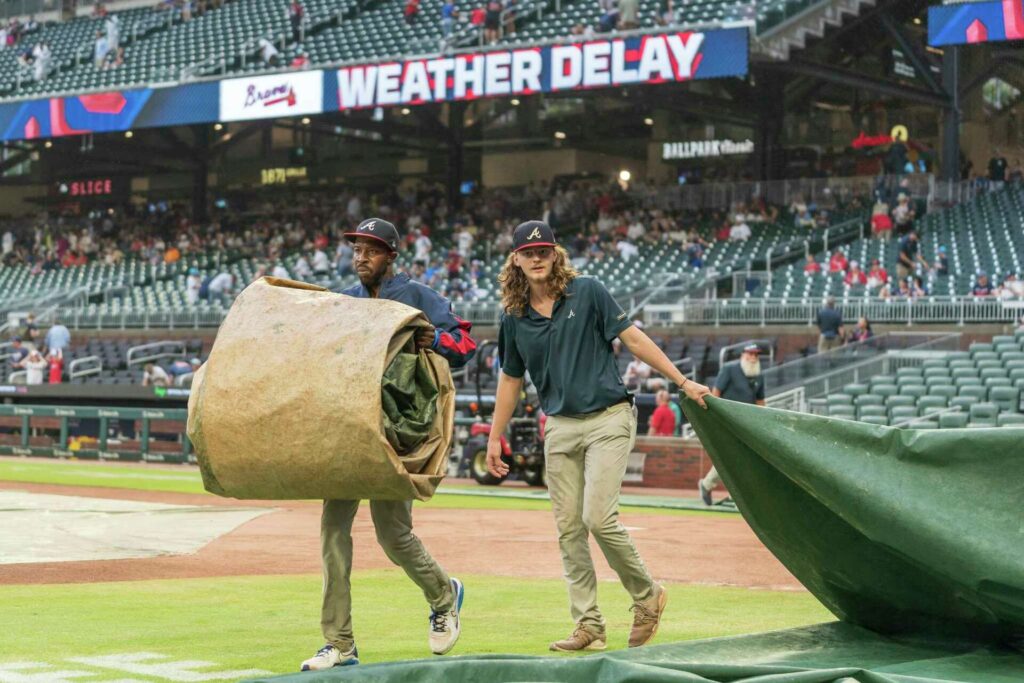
pixel 897 530
pixel 827 653
pixel 408 402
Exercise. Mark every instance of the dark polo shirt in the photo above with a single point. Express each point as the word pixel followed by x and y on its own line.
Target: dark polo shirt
pixel 569 355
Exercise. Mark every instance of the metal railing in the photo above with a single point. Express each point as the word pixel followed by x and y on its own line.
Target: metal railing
pixel 85 367
pixel 145 353
pixel 754 311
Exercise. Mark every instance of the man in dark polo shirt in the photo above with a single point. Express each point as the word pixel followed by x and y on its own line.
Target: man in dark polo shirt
pixel 830 327
pixel 741 382
pixel 559 326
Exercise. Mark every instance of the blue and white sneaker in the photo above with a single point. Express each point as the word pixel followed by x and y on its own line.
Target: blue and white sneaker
pixel 329 656
pixel 446 626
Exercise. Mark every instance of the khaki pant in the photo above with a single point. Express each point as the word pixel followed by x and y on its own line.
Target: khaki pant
pixel 826 344
pixel 586 461
pixel 711 479
pixel 393 522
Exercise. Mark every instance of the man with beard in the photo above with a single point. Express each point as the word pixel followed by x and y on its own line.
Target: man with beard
pixel 374 249
pixel 736 382
pixel 559 326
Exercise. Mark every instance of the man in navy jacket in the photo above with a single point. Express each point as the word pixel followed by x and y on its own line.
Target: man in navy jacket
pixel 375 247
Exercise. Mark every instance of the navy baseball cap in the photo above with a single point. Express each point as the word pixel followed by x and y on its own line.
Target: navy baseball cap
pixel 378 229
pixel 533 234
pixel 751 348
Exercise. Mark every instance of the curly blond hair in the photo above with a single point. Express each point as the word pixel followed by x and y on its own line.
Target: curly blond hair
pixel 515 288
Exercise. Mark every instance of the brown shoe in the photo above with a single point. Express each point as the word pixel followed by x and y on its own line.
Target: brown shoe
pixel 647 616
pixel 581 639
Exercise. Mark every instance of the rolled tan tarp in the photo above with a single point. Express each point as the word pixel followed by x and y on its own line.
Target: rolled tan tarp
pixel 288 405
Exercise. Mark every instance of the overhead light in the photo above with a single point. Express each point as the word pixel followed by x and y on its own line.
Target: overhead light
pixel 226 137
pixel 48 144
pixel 305 120
pixel 917 20
pixel 559 135
pixel 648 121
pixel 218 126
pixel 405 111
pixel 128 134
pixel 625 175
pixel 515 102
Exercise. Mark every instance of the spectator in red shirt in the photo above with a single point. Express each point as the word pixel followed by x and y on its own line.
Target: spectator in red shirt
pixel 877 276
pixel 663 420
pixel 56 362
pixel 812 265
pixel 412 8
pixel 837 263
pixel 855 276
pixel 477 16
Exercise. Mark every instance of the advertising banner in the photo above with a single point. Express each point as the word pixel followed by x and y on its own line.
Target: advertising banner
pixel 270 97
pixel 976 22
pixel 605 63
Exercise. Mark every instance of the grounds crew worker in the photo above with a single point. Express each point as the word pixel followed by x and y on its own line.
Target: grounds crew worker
pixel 736 382
pixel 559 326
pixel 374 247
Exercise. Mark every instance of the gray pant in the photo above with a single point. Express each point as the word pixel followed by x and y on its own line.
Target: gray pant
pixel 586 461
pixel 393 521
pixel 711 479
pixel 826 344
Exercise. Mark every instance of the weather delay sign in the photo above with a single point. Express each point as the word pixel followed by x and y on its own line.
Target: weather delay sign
pixel 648 59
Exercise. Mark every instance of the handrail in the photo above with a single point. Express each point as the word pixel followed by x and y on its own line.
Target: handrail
pixel 14 377
pixel 133 359
pixel 75 373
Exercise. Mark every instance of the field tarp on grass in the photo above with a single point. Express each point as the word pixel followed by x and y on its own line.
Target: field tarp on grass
pixel 826 653
pixel 897 530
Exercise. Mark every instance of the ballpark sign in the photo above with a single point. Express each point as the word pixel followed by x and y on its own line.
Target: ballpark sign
pixel 269 97
pixel 649 59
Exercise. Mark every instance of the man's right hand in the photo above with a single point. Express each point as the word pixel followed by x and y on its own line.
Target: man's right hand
pixel 495 465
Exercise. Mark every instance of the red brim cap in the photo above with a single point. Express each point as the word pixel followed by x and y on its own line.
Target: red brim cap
pixel 351 237
pixel 535 244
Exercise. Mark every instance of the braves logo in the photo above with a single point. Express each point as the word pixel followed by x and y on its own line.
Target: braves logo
pixel 534 235
pixel 572 313
pixel 370 226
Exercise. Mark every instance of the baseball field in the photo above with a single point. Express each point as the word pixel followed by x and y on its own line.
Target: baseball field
pixel 133 573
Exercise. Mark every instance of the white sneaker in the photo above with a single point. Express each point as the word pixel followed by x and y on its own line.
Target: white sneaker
pixel 329 656
pixel 446 626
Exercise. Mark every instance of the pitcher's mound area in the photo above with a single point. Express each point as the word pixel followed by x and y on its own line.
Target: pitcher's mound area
pixel 40 527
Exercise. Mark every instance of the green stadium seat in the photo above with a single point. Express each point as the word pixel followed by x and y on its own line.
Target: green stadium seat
pixel 840 400
pixel 900 402
pixel 1010 420
pixel 938 381
pixel 991 382
pixel 869 400
pixel 879 420
pixel 1007 398
pixel 902 414
pixel 931 404
pixel 963 402
pixel 964 372
pixel 979 347
pixel 968 382
pixel 844 412
pixel 871 411
pixel 885 390
pixel 946 391
pixel 934 364
pixel 978 392
pixel 953 421
pixel 908 372
pixel 855 389
pixel 983 415
pixel 924 424
pixel 913 390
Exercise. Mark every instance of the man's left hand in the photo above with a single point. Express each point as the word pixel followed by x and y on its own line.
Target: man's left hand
pixel 424 337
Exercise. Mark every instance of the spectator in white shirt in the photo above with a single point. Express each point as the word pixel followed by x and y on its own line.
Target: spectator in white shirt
pixel 268 53
pixel 739 232
pixel 637 374
pixel 192 284
pixel 627 250
pixel 280 271
pixel 423 247
pixel 302 269
pixel 35 365
pixel 221 286
pixel 154 375
pixel 321 264
pixel 465 241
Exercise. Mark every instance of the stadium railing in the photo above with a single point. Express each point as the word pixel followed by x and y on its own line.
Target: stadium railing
pixel 27 421
pixel 929 309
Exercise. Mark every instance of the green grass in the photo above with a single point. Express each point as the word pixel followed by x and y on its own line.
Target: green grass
pixel 187 480
pixel 272 623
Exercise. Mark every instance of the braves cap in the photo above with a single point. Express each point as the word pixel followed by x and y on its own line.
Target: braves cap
pixel 751 348
pixel 533 234
pixel 378 229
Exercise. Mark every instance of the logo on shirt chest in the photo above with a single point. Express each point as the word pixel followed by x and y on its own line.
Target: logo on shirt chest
pixel 572 313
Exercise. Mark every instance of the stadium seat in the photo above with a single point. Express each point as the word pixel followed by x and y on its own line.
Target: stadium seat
pixel 946 391
pixel 869 400
pixel 871 411
pixel 977 392
pixel 938 381
pixel 902 414
pixel 1007 398
pixel 953 420
pixel 902 401
pixel 931 404
pixel 983 415
pixel 1010 420
pixel 879 420
pixel 963 402
pixel 913 390
pixel 885 390
pixel 855 389
pixel 839 400
pixel 844 412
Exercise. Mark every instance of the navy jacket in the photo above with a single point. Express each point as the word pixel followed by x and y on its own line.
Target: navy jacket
pixel 451 335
